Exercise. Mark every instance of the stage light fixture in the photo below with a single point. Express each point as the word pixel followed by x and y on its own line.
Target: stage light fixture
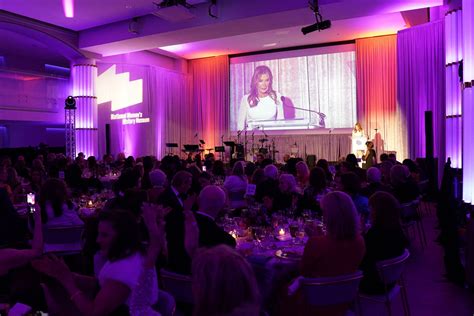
pixel 320 23
pixel 70 103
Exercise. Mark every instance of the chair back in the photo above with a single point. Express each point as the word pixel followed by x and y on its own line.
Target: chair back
pixel 166 304
pixel 63 238
pixel 391 270
pixel 331 290
pixel 178 285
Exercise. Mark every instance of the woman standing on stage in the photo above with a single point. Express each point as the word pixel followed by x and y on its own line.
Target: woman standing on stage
pixel 262 103
pixel 358 140
pixel 370 157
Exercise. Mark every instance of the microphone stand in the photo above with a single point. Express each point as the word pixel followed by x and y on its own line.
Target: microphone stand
pixel 245 142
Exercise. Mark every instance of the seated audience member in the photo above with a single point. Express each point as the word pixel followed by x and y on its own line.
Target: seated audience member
pixel 56 208
pixel 13 258
pixel 289 195
pixel 374 180
pixel 13 230
pixel 323 163
pixel 414 170
pixel 384 240
pixel 148 163
pixel 218 171
pixel 175 194
pixel 393 158
pixel 224 284
pixel 157 185
pixel 204 180
pixel 127 275
pixel 158 179
pixel 351 185
pixel 269 186
pixel 351 159
pixel 316 190
pixel 383 157
pixel 236 186
pixel 249 170
pixel 211 201
pixel 258 177
pixel 302 174
pixel 404 188
pixel 21 168
pixel 385 171
pixel 15 185
pixel 73 177
pixel 339 252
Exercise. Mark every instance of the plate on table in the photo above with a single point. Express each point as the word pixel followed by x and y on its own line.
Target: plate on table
pixel 289 255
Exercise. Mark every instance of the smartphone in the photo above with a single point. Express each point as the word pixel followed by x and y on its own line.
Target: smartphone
pixel 204 168
pixel 30 199
pixel 61 175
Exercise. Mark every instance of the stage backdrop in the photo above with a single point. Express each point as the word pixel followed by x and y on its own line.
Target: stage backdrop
pixel 377 107
pixel 146 107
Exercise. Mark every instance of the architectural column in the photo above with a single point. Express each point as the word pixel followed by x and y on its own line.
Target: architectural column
pixel 84 76
pixel 468 100
pixel 453 33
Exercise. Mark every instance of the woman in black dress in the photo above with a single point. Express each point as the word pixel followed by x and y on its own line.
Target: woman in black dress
pixel 370 157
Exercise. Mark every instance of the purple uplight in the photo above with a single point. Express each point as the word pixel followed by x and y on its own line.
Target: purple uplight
pixel 68 7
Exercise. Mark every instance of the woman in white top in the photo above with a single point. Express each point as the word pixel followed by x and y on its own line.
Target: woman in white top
pixel 262 103
pixel 358 140
pixel 128 276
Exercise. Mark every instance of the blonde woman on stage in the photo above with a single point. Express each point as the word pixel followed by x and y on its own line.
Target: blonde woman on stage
pixel 358 140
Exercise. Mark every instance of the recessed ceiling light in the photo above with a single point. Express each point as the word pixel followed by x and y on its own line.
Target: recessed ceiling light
pixel 282 32
pixel 269 45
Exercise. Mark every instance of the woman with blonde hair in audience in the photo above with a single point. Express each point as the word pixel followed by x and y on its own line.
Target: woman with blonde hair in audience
pixel 236 185
pixel 340 251
pixel 224 284
pixel 302 174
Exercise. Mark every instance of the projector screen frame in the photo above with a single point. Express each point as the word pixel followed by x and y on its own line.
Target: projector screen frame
pixel 290 52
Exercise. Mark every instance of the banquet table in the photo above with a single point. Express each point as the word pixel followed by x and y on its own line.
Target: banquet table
pixel 108 181
pixel 273 270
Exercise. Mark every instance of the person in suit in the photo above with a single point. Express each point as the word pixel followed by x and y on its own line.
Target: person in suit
pixel 200 229
pixel 175 194
pixel 211 201
pixel 175 197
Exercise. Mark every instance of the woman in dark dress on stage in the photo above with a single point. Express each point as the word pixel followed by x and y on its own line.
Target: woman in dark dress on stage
pixel 370 157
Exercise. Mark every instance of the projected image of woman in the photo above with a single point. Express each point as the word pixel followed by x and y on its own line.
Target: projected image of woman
pixel 262 103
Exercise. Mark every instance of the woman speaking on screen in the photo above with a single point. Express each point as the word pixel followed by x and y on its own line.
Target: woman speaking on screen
pixel 262 103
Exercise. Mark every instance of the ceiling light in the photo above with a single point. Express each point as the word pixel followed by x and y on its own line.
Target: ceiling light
pixel 269 44
pixel 68 7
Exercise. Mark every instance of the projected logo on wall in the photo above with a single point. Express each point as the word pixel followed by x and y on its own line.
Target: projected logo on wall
pixel 123 93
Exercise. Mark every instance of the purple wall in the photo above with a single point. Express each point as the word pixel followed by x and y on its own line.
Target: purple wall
pixel 19 134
